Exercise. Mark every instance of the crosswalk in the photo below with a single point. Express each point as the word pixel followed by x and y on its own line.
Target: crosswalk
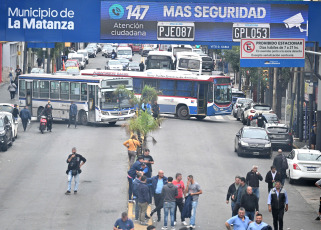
pixel 222 118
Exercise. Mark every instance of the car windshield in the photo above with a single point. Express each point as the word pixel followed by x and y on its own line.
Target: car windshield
pixel 309 157
pixel 277 129
pixel 110 100
pixel 207 59
pixel 134 64
pixel 124 52
pixel 6 108
pixel 244 101
pixel 114 62
pixel 262 107
pixel 78 58
pixel 71 64
pixel 189 63
pixel 255 134
pixel 271 118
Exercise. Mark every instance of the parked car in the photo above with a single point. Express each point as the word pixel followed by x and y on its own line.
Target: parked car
pixel 81 59
pixel 271 117
pixel 6 107
pixel 91 52
pixel 124 62
pixel 85 53
pixel 253 109
pixel 253 141
pixel 6 135
pixel 238 103
pixel 72 63
pixel 125 52
pixel 280 136
pixel 207 63
pixel 240 111
pixel 133 66
pixel 114 65
pixel 304 164
pixel 94 46
pixel 37 70
pixel 107 50
pixel 14 124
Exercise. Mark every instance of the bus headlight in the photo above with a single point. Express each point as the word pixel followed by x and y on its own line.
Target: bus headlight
pixel 104 113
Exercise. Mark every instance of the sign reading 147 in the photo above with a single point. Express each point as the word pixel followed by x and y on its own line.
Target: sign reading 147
pixel 136 12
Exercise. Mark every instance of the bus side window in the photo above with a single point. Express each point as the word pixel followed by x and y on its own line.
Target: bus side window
pixel 75 91
pixel 54 89
pixel 44 89
pixel 35 90
pixel 84 91
pixel 22 88
pixel 167 87
pixel 137 85
pixel 184 88
pixel 64 90
pixel 151 83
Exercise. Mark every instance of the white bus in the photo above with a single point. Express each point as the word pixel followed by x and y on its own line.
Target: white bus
pixel 94 96
pixel 160 60
pixel 189 61
pixel 183 94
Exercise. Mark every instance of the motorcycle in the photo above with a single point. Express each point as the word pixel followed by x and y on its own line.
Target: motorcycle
pixel 43 124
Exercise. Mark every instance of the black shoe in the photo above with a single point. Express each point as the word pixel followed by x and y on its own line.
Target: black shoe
pixel 158 220
pixel 67 193
pixel 147 217
pixel 151 214
pixel 318 218
pixel 75 192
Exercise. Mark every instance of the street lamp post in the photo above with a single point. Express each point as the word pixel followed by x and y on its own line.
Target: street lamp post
pixel 43 58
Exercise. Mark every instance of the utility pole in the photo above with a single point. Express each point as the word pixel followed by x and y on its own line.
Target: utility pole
pixel 275 80
pixel 258 94
pixel 43 58
pixel 48 60
pixel 25 57
pixel 301 106
pixel 29 60
pixel 293 96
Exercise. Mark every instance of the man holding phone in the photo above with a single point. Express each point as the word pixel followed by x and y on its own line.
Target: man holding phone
pixel 74 161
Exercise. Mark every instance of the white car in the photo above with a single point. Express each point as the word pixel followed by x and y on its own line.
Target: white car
pixel 85 53
pixel 304 164
pixel 254 109
pixel 14 124
pixel 238 103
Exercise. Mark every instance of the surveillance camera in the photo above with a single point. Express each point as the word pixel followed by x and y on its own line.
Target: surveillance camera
pixel 294 21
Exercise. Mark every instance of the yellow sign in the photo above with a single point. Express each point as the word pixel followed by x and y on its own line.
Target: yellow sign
pixel 67 44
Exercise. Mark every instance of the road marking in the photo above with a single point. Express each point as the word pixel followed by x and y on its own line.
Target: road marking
pixel 219 117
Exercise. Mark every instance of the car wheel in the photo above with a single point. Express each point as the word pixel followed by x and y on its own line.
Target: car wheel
pixel 11 141
pixel 183 112
pixel 237 118
pixel 291 181
pixel 242 119
pixel 112 123
pixel 4 145
pixel 234 114
pixel 239 153
pixel 235 150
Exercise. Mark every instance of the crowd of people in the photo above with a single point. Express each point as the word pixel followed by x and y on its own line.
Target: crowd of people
pixel 244 194
pixel 167 193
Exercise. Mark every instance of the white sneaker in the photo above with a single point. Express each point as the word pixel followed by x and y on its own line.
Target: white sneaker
pixel 172 228
pixel 184 223
pixel 174 223
pixel 165 227
pixel 192 226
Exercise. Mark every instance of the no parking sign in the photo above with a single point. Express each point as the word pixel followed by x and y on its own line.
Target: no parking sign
pixel 272 52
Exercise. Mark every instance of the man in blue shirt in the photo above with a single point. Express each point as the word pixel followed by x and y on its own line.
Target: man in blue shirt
pixel 124 223
pixel 258 224
pixel 278 202
pixel 240 221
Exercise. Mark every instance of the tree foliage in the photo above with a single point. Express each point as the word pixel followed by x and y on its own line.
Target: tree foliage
pixel 233 58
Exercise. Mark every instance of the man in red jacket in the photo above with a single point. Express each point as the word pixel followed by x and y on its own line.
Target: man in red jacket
pixel 180 198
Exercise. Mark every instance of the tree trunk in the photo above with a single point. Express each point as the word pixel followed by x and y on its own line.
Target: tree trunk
pixel 275 80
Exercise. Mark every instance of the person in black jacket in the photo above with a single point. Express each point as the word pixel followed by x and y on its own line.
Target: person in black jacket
pixel 253 179
pixel 278 203
pixel 15 112
pixel 231 192
pixel 250 203
pixel 271 177
pixel 281 165
pixel 260 120
pixel 141 66
pixel 75 161
pixel 25 117
pixel 143 198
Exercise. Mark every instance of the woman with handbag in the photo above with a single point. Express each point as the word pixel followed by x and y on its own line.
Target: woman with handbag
pixel 131 144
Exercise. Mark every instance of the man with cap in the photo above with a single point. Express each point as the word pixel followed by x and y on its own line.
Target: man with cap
pixel 132 173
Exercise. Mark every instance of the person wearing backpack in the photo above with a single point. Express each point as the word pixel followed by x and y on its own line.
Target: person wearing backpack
pixel 72 114
pixel 281 164
pixel 74 161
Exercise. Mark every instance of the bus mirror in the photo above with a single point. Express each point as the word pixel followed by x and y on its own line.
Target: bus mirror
pixel 99 95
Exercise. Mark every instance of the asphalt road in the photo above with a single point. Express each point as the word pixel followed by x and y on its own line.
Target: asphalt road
pixel 33 179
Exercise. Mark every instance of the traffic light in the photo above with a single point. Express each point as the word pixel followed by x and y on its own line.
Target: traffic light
pixel 197 46
pixel 265 75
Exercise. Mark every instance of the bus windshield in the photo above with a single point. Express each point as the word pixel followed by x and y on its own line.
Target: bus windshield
pixel 222 94
pixel 158 63
pixel 189 64
pixel 110 100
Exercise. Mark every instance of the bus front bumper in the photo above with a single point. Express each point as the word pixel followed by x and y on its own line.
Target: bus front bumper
pixel 114 118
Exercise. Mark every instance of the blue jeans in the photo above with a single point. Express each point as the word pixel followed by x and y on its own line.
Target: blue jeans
pixel 256 192
pixel 169 207
pixel 194 206
pixel 130 188
pixel 250 215
pixel 232 206
pixel 76 178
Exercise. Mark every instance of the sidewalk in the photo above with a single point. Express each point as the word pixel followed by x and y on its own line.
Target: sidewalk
pixel 5 95
pixel 298 145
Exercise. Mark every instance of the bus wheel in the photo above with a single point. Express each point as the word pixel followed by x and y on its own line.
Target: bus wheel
pixel 39 111
pixel 112 123
pixel 82 117
pixel 182 113
pixel 200 117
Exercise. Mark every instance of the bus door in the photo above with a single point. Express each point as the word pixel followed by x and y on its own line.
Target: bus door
pixel 92 102
pixel 29 95
pixel 202 99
